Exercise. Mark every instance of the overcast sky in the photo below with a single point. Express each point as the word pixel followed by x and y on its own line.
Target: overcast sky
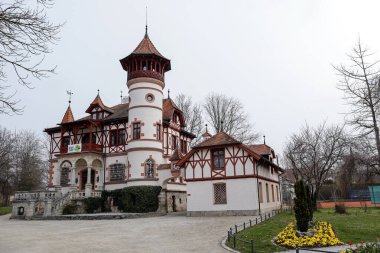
pixel 274 56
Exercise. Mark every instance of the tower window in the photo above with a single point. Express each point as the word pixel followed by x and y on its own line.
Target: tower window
pixel 158 132
pixel 149 97
pixel 149 168
pixel 136 131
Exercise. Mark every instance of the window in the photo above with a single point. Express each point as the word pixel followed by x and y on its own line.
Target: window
pixel 218 159
pixel 66 141
pixel 149 97
pixel 121 138
pixel 261 192
pixel 149 168
pixel 136 131
pixel 117 172
pixel 183 146
pixel 272 193
pixel 267 188
pixel 220 193
pixel 174 142
pixel 278 195
pixel 86 138
pixel 113 138
pixel 65 172
pixel 117 137
pixel 158 132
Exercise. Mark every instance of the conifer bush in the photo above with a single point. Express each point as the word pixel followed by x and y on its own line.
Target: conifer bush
pixel 301 208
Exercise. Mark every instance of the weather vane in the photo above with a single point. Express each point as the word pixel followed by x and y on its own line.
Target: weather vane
pixel 69 93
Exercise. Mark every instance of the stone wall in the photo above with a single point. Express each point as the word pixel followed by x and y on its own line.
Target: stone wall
pixel 176 201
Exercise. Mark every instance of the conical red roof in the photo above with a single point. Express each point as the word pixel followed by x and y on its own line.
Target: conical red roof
pixel 146 47
pixel 68 117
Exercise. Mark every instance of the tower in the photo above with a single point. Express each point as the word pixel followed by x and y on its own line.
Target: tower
pixel 146 69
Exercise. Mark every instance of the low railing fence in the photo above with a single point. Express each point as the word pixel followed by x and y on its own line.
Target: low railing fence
pixel 315 250
pixel 231 233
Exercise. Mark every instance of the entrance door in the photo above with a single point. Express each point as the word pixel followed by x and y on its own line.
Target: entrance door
pixel 173 203
pixel 83 179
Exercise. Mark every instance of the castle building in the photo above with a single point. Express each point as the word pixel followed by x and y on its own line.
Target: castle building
pixel 142 142
pixel 128 144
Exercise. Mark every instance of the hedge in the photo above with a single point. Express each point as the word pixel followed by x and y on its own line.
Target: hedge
pixel 133 199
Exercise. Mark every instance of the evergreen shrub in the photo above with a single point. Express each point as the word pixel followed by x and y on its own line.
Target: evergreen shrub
pixel 301 208
pixel 134 199
pixel 93 204
pixel 70 208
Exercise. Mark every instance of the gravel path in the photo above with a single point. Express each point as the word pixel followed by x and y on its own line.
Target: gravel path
pixel 172 233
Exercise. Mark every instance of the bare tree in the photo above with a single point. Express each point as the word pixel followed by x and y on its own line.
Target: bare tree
pixel 6 173
pixel 313 153
pixel 193 115
pixel 25 38
pixel 227 114
pixel 360 83
pixel 28 162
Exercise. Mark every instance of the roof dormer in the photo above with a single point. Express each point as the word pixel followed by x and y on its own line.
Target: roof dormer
pixel 98 110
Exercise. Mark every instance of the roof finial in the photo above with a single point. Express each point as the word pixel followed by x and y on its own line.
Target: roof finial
pixel 264 139
pixel 221 126
pixel 168 93
pixel 98 92
pixel 121 97
pixel 206 128
pixel 146 20
pixel 69 93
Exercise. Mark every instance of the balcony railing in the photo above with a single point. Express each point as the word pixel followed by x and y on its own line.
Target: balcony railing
pixel 86 147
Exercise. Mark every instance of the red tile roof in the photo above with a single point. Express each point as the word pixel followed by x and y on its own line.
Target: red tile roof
pixel 218 139
pixel 261 149
pixel 146 47
pixel 68 117
pixel 98 102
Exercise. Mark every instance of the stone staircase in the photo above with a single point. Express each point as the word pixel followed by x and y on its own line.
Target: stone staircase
pixel 58 204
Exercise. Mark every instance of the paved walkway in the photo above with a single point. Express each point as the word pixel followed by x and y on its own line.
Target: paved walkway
pixel 173 233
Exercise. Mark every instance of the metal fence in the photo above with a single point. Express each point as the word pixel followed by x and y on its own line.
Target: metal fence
pixel 231 233
pixel 315 250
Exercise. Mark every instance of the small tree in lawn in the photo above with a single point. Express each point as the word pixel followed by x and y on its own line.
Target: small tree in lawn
pixel 301 208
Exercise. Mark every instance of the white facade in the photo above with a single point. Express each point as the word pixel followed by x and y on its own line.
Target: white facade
pixel 245 183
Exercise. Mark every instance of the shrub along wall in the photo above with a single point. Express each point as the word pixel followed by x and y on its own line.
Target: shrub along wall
pixel 133 199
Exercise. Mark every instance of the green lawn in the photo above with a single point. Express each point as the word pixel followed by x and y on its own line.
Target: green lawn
pixel 5 210
pixel 354 227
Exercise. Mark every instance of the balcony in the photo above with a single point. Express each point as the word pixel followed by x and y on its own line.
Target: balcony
pixel 83 148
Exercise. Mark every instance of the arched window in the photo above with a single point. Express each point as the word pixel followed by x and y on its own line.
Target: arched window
pixel 65 172
pixel 149 168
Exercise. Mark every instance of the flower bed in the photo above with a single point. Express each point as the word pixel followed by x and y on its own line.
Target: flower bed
pixel 320 235
pixel 363 248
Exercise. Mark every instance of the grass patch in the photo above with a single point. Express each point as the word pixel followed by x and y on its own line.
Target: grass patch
pixel 354 226
pixel 5 210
